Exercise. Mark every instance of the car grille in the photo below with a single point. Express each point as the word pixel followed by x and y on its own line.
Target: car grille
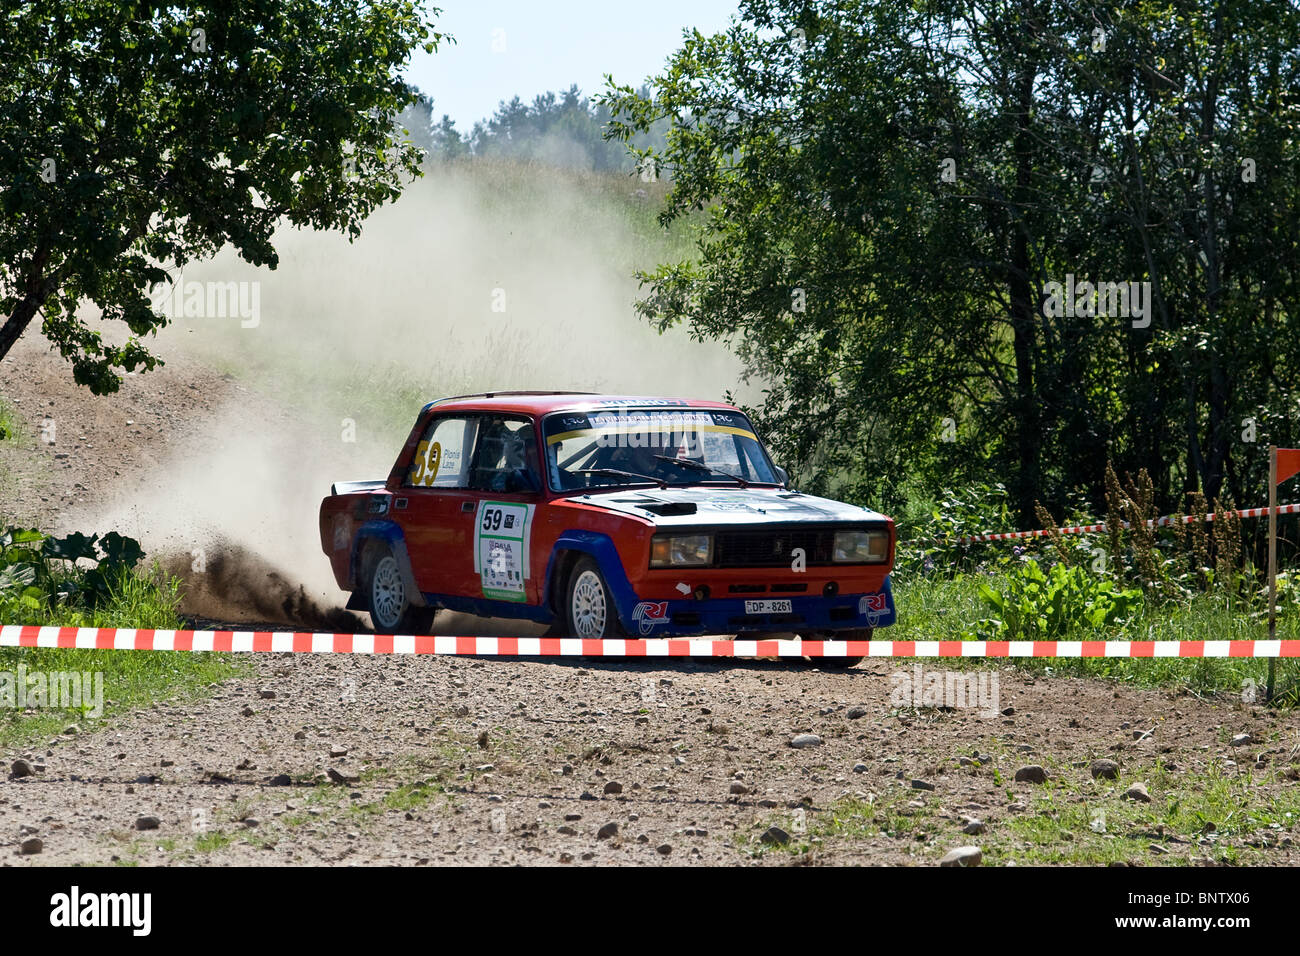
pixel 769 548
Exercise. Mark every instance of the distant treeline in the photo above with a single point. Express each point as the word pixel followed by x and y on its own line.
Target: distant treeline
pixel 562 129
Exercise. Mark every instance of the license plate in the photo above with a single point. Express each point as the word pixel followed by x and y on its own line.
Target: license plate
pixel 768 607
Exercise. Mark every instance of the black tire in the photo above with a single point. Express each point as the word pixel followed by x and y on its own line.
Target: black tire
pixel 391 611
pixel 589 610
pixel 839 663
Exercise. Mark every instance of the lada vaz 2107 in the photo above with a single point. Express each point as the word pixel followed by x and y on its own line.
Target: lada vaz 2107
pixel 603 517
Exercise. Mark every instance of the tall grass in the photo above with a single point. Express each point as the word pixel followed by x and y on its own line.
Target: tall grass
pixel 948 609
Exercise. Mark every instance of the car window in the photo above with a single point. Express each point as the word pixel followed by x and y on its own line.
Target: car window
pixel 505 456
pixel 441 459
pixel 634 446
pixel 719 450
pixel 750 463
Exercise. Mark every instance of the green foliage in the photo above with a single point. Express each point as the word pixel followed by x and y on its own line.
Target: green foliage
pixel 975 509
pixel 953 608
pixel 1033 605
pixel 1288 595
pixel 134 136
pixel 12 427
pixel 929 540
pixel 1172 562
pixel 73 578
pixel 899 316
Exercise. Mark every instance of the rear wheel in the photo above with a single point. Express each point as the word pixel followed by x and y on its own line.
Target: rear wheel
pixel 391 610
pixel 589 610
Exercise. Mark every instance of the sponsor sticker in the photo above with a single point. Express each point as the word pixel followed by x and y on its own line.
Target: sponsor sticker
pixel 649 614
pixel 873 606
pixel 756 503
pixel 501 536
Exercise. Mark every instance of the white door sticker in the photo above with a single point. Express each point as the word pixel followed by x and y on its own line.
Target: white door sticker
pixel 501 536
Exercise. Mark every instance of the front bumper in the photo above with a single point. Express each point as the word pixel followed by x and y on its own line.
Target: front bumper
pixel 687 617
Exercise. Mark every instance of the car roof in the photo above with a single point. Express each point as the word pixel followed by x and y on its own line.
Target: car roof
pixel 542 403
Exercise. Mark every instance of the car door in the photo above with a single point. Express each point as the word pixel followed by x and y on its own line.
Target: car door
pixel 500 504
pixel 428 506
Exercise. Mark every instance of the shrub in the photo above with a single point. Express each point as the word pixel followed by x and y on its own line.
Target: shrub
pixel 1038 605
pixel 933 544
pixel 73 579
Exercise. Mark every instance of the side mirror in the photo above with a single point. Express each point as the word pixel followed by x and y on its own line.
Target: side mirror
pixel 782 475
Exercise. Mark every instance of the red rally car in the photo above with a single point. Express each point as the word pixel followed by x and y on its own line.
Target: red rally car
pixel 606 517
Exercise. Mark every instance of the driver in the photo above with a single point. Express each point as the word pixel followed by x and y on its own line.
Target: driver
pixel 512 470
pixel 517 456
pixel 643 461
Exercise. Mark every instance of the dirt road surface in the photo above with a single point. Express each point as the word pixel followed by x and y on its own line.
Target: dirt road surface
pixel 390 760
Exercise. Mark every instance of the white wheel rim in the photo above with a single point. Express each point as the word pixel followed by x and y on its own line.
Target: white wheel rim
pixel 387 593
pixel 588 605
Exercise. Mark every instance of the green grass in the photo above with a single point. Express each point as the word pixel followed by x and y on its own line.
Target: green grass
pixel 405 798
pixel 212 840
pixel 183 848
pixel 939 609
pixel 148 599
pixel 418 782
pixel 935 609
pixel 13 436
pixel 331 804
pixel 1226 809
pixel 1070 820
pixel 855 819
pixel 130 679
pixel 12 430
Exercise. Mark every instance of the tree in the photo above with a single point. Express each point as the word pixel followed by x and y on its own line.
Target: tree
pixel 883 195
pixel 417 120
pixel 448 144
pixel 565 129
pixel 135 135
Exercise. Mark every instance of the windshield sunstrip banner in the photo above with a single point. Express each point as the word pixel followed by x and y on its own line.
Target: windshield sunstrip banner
pixel 653 426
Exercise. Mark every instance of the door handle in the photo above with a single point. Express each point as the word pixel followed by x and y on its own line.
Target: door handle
pixel 466 507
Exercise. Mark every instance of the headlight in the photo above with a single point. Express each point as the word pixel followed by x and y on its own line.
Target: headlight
pixel 861 547
pixel 680 550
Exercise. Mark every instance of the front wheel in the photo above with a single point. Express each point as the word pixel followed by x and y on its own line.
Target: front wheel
pixel 391 611
pixel 840 663
pixel 589 610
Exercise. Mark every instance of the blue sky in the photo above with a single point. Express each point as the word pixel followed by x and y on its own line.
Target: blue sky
pixel 550 44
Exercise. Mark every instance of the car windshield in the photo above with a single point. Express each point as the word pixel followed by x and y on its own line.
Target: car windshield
pixel 631 446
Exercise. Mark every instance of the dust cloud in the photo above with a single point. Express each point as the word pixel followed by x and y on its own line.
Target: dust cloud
pixel 489 276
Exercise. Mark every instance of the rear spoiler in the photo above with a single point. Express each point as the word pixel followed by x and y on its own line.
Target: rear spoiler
pixel 350 487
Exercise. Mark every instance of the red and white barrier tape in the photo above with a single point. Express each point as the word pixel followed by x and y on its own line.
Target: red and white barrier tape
pixel 1164 521
pixel 123 639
